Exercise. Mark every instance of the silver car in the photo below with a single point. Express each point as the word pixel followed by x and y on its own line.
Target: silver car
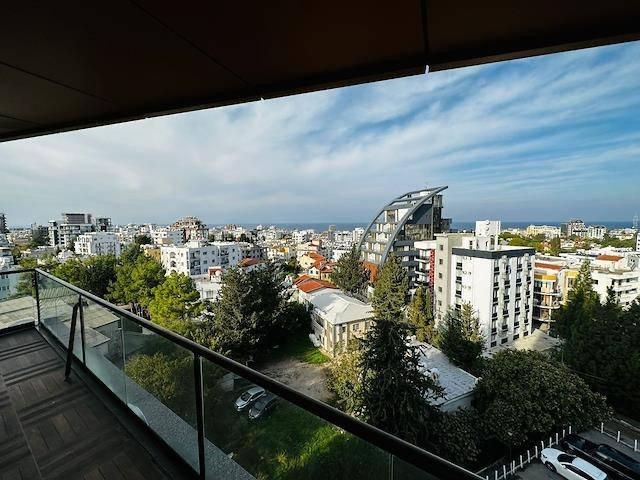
pixel 248 397
pixel 570 467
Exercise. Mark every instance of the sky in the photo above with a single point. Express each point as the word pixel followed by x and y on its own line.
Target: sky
pixel 544 138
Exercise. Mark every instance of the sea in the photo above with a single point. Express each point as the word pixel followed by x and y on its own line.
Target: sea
pixel 457 225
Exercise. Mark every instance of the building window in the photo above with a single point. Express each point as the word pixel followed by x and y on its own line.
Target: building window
pixel 441 247
pixel 356 327
pixel 440 261
pixel 439 274
pixel 493 344
pixel 439 303
pixel 440 289
pixel 503 341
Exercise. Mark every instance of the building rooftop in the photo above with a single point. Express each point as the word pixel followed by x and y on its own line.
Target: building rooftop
pixel 338 308
pixel 537 341
pixel 609 258
pixel 455 381
pixel 550 266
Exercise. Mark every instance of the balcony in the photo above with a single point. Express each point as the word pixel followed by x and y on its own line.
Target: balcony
pixel 77 406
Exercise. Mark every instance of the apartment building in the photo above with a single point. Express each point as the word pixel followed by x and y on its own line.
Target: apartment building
pixel 97 243
pixel 251 250
pixel 192 227
pixel 597 232
pixel 64 232
pixel 411 217
pixel 426 259
pixel 167 236
pixel 445 243
pixel 197 256
pixel 548 284
pixel 495 279
pixel 3 223
pixel 548 231
pixel 618 272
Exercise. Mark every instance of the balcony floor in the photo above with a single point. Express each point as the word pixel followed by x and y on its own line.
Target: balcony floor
pixel 53 429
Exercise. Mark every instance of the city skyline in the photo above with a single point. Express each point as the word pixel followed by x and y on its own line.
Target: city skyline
pixel 538 138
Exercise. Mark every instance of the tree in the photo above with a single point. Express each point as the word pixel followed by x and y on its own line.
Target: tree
pixel 175 303
pixel 39 238
pixel 166 377
pixel 395 390
pixel 143 240
pixel 459 337
pixel 420 315
pixel 344 377
pixel 554 246
pixel 581 304
pixel 291 266
pixel 134 282
pixel 391 291
pixel 93 274
pixel 523 396
pixel 349 273
pixel 456 436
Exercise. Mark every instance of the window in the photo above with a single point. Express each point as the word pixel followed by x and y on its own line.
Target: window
pixel 440 261
pixel 439 274
pixel 356 327
pixel 503 341
pixel 441 247
pixel 439 303
pixel 440 289
pixel 493 344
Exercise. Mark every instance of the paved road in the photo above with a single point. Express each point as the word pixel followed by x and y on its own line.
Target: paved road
pixel 537 471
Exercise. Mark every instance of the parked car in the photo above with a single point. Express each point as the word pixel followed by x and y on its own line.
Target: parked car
pixel 248 397
pixel 262 406
pixel 569 466
pixel 618 465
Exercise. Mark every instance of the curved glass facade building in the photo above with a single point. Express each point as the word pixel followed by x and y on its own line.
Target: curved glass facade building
pixel 413 216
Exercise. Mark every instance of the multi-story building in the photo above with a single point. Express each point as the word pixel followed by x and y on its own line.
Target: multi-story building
pixel 411 217
pixel 97 243
pixel 193 228
pixel 251 250
pixel 167 236
pixel 596 231
pixel 103 224
pixel 197 256
pixel 445 243
pixel 548 231
pixel 496 280
pixel 619 273
pixel 547 290
pixel 63 233
pixel 426 258
pixel 576 227
pixel 336 318
pixel 3 223
pixel 357 234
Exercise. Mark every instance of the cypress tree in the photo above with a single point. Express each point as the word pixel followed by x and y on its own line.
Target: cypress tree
pixel 349 273
pixel 420 315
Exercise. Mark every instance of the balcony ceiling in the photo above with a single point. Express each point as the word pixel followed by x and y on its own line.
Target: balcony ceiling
pixel 76 64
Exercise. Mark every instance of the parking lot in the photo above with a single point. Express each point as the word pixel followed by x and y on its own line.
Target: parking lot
pixel 537 471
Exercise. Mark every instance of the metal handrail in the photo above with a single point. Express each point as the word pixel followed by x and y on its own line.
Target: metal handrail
pixel 421 459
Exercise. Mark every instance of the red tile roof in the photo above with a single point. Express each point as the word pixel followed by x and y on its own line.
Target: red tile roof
pixel 609 258
pixel 550 266
pixel 314 284
pixel 301 278
pixel 247 262
pixel 315 256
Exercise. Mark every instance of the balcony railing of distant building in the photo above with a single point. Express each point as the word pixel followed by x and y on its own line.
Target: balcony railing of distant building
pixel 105 340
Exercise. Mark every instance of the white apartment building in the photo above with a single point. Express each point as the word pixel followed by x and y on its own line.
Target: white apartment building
pixel 596 231
pixel 496 280
pixel 196 256
pixel 251 250
pixel 425 270
pixel 357 234
pixel 301 236
pixel 620 273
pixel 167 236
pixel 548 231
pixel 97 243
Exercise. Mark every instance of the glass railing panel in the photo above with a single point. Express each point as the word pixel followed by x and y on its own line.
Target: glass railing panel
pixel 277 440
pixel 17 299
pixel 401 470
pixel 104 345
pixel 160 388
pixel 56 310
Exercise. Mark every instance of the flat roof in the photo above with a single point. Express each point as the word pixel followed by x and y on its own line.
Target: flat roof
pixel 455 381
pixel 337 307
pixel 71 65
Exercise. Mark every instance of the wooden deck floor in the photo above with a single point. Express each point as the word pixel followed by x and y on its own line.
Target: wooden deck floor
pixel 51 429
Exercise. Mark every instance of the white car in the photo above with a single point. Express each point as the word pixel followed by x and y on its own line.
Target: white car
pixel 248 397
pixel 569 466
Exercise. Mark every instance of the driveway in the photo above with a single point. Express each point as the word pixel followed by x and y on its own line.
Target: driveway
pixel 303 377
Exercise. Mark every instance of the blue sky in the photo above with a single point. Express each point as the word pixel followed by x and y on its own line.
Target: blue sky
pixel 544 138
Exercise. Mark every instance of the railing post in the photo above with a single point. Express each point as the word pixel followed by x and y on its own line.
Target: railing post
pixel 618 437
pixel 601 427
pixel 635 445
pixel 81 311
pixel 37 290
pixel 72 334
pixel 197 373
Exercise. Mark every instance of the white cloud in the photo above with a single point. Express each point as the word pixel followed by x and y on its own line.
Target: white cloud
pixel 540 138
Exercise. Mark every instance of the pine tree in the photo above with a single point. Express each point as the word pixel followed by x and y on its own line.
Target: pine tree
pixel 420 315
pixel 394 388
pixel 460 339
pixel 175 303
pixel 582 303
pixel 349 273
pixel 391 291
